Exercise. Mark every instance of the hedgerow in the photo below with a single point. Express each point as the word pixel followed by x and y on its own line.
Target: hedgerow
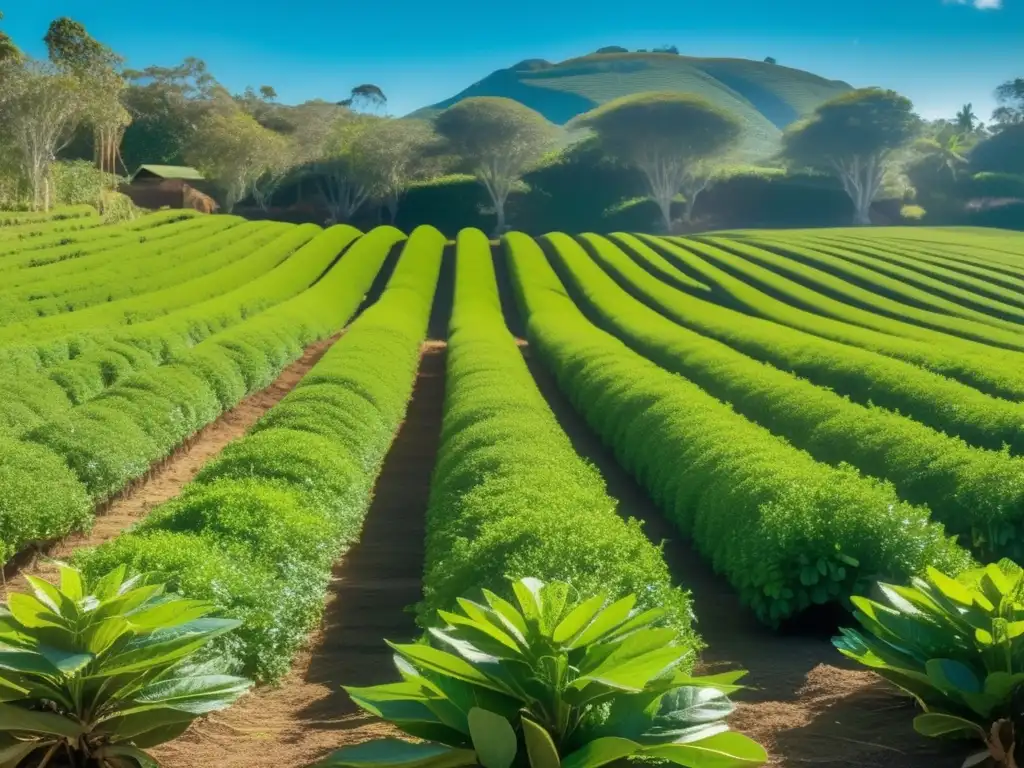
pixel 115 437
pixel 864 376
pixel 987 369
pixel 937 291
pixel 510 497
pixel 977 494
pixel 874 308
pixel 268 517
pixel 785 530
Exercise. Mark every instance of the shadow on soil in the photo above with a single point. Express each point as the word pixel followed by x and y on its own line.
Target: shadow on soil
pixel 381 575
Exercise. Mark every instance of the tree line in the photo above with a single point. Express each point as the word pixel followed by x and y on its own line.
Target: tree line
pixel 83 101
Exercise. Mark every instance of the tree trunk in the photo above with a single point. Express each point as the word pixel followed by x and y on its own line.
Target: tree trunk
pixel 665 206
pixel 691 200
pixel 499 208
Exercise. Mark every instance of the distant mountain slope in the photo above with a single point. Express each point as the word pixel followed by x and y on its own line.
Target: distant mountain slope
pixel 766 97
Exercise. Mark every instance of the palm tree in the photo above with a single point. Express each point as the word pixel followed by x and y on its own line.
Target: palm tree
pixel 965 119
pixel 947 147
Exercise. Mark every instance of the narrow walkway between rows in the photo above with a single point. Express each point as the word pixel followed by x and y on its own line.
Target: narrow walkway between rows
pixel 165 479
pixel 807 707
pixel 308 716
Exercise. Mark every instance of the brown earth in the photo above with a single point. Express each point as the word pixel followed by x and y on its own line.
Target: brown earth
pixel 308 716
pixel 806 704
pixel 166 479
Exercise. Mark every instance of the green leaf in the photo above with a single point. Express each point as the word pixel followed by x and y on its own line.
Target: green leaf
pixel 493 738
pixel 506 612
pixel 685 707
pixel 607 620
pixel 28 611
pixel 17 719
pixel 632 674
pixel 531 601
pixel 102 635
pixel 195 694
pixel 133 753
pixel 68 662
pixel 935 724
pixel 724 750
pixel 394 753
pixel 578 618
pixel 952 677
pixel 71 583
pixel 165 646
pixel 12 755
pixel 170 612
pixel 28 663
pixel 539 746
pixel 107 587
pixel 445 663
pixel 600 752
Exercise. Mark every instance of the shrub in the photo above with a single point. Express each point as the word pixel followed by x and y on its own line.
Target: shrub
pixel 559 678
pixel 955 646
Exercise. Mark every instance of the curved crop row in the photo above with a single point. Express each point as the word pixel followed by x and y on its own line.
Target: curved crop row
pixel 86 363
pixel 977 494
pixel 510 497
pixel 60 245
pixel 981 301
pixel 875 310
pixel 969 275
pixel 785 530
pixel 8 218
pixel 984 368
pixel 153 270
pixel 115 437
pixel 258 529
pixel 864 376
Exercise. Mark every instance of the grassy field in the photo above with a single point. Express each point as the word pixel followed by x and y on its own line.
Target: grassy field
pixel 766 97
pixel 799 412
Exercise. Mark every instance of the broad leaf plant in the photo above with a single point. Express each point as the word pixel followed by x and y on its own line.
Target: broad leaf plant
pixel 93 675
pixel 550 682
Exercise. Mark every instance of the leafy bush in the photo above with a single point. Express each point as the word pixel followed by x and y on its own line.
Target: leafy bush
pixel 559 679
pixel 510 497
pixel 812 533
pixel 956 646
pixel 104 670
pixel 267 519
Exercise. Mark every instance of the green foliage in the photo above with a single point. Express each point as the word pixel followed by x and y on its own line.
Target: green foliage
pixel 271 514
pixel 104 669
pixel 557 678
pixel 812 533
pixel 955 646
pixel 510 496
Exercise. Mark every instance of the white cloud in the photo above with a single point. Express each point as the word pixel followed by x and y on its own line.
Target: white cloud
pixel 981 5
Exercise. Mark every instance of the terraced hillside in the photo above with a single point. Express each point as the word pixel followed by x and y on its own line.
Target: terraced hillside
pixel 314 429
pixel 766 97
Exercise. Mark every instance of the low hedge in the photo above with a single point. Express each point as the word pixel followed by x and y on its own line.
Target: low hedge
pixel 785 530
pixel 510 497
pixel 266 519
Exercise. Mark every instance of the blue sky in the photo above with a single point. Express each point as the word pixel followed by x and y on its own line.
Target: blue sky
pixel 940 53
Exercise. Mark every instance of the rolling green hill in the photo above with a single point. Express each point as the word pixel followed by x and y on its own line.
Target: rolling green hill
pixel 766 97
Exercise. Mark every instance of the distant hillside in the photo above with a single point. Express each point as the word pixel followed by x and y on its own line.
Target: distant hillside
pixel 767 97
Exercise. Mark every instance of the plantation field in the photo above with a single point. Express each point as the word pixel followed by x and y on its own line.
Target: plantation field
pixel 318 429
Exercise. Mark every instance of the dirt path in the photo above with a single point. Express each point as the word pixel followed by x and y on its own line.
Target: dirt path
pixel 308 716
pixel 809 707
pixel 166 479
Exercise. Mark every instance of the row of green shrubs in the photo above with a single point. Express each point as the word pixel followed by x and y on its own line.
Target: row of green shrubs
pixel 785 530
pixel 897 291
pixel 14 218
pixel 510 497
pixel 124 273
pixel 257 531
pixel 985 368
pixel 864 376
pixel 983 293
pixel 872 308
pixel 47 376
pixel 978 494
pixel 115 437
pixel 61 245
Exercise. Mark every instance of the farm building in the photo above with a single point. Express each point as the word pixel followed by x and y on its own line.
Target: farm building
pixel 170 186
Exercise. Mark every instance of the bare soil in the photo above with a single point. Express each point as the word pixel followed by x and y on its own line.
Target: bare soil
pixel 308 716
pixel 807 704
pixel 164 480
